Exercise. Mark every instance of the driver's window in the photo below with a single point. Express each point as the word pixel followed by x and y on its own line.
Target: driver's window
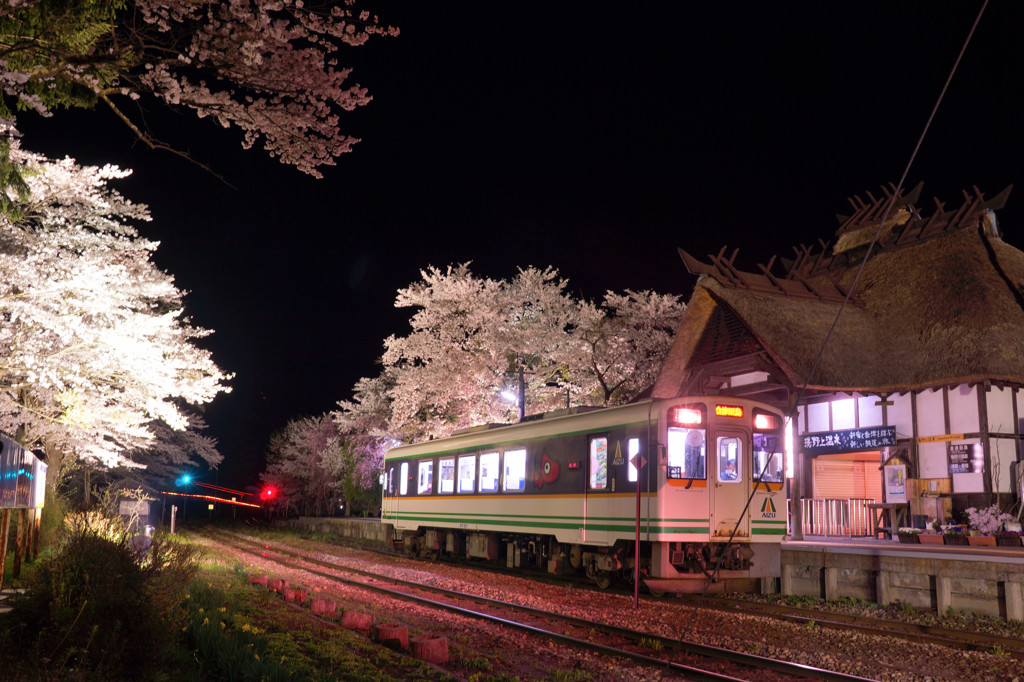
pixel 729 459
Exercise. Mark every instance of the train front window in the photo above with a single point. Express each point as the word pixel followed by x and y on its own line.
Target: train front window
pixel 426 478
pixel 686 453
pixel 730 459
pixel 515 470
pixel 447 475
pixel 467 473
pixel 489 469
pixel 767 458
pixel 598 463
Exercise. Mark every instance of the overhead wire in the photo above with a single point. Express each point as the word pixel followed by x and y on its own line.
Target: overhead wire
pixel 850 290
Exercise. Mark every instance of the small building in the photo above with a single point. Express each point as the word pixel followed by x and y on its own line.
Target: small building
pixel 898 347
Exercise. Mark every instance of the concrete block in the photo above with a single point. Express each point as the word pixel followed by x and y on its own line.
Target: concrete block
pixel 356 620
pixel 392 635
pixel 884 588
pixel 1014 601
pixel 430 649
pixel 943 594
pixel 831 583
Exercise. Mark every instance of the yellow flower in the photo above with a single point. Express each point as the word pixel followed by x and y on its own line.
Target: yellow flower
pixel 223 609
pixel 246 627
pixel 257 656
pixel 222 626
pixel 206 621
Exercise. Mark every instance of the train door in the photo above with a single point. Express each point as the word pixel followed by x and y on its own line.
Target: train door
pixel 389 504
pixel 731 476
pixel 597 501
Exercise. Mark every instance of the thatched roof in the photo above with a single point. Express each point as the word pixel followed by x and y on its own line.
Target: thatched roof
pixel 938 303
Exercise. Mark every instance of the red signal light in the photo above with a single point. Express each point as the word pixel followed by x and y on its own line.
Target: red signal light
pixel 268 493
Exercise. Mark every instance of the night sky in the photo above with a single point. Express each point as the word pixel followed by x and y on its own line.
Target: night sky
pixel 594 137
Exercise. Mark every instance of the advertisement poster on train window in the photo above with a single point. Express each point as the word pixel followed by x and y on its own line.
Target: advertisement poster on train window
pixel 896 483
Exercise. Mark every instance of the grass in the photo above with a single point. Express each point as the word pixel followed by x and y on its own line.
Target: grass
pixel 295 641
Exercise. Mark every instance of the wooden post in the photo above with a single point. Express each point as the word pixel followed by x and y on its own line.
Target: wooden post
pixel 5 524
pixel 19 543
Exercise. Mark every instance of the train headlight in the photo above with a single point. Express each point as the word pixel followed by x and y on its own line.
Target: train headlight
pixel 765 422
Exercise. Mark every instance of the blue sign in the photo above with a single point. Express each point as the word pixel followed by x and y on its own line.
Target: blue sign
pixel 850 440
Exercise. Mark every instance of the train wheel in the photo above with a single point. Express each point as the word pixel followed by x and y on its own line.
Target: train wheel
pixel 576 557
pixel 603 579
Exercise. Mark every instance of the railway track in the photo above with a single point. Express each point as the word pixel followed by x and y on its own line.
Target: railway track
pixel 688 660
pixel 926 634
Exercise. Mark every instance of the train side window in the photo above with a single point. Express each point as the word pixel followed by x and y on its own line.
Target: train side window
pixel 403 480
pixel 515 470
pixel 489 472
pixel 730 459
pixel 767 459
pixel 426 473
pixel 685 453
pixel 632 447
pixel 391 481
pixel 467 473
pixel 599 463
pixel 446 475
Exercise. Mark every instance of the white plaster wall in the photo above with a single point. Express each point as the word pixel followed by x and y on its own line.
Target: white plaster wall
pixel 900 414
pixel 817 417
pixel 844 414
pixel 869 414
pixel 963 409
pixel 1003 453
pixel 1000 410
pixel 931 418
pixel 932 461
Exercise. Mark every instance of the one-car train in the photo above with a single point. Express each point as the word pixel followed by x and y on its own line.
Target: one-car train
pixel 563 492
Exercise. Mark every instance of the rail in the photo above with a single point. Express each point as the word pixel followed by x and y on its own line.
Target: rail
pixel 849 517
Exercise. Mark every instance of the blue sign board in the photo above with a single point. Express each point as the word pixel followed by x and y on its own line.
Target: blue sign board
pixel 849 440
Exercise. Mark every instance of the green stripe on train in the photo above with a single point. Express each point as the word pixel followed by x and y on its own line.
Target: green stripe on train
pixel 588 525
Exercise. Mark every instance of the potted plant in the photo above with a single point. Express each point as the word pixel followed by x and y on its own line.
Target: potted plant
pixel 954 534
pixel 1008 538
pixel 908 536
pixel 984 524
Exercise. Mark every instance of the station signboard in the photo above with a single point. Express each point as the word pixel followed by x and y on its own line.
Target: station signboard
pixel 848 440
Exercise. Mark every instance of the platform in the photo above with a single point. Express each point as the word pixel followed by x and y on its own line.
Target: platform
pixel 980 580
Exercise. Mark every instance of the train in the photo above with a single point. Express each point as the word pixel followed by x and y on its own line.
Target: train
pixel 22 477
pixel 687 493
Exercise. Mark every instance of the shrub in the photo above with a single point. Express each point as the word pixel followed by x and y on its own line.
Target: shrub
pixel 988 520
pixel 94 610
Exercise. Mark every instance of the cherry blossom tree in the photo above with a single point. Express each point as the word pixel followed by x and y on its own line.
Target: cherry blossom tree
pixel 296 462
pixel 626 341
pixel 94 345
pixel 266 67
pixel 474 337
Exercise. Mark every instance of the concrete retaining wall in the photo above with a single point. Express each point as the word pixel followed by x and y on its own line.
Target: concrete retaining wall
pixel 979 583
pixel 361 531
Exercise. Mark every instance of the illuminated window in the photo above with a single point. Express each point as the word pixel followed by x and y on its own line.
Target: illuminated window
pixel 515 470
pixel 467 469
pixel 730 460
pixel 632 447
pixel 685 455
pixel 426 476
pixel 767 458
pixel 447 475
pixel 391 481
pixel 489 471
pixel 599 463
pixel 403 482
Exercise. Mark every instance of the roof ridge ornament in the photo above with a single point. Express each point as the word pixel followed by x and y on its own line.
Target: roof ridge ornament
pixel 813 272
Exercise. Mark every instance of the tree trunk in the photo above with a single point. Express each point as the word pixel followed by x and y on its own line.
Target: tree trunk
pixel 19 543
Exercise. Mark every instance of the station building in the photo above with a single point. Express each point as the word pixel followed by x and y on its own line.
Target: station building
pixel 903 372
